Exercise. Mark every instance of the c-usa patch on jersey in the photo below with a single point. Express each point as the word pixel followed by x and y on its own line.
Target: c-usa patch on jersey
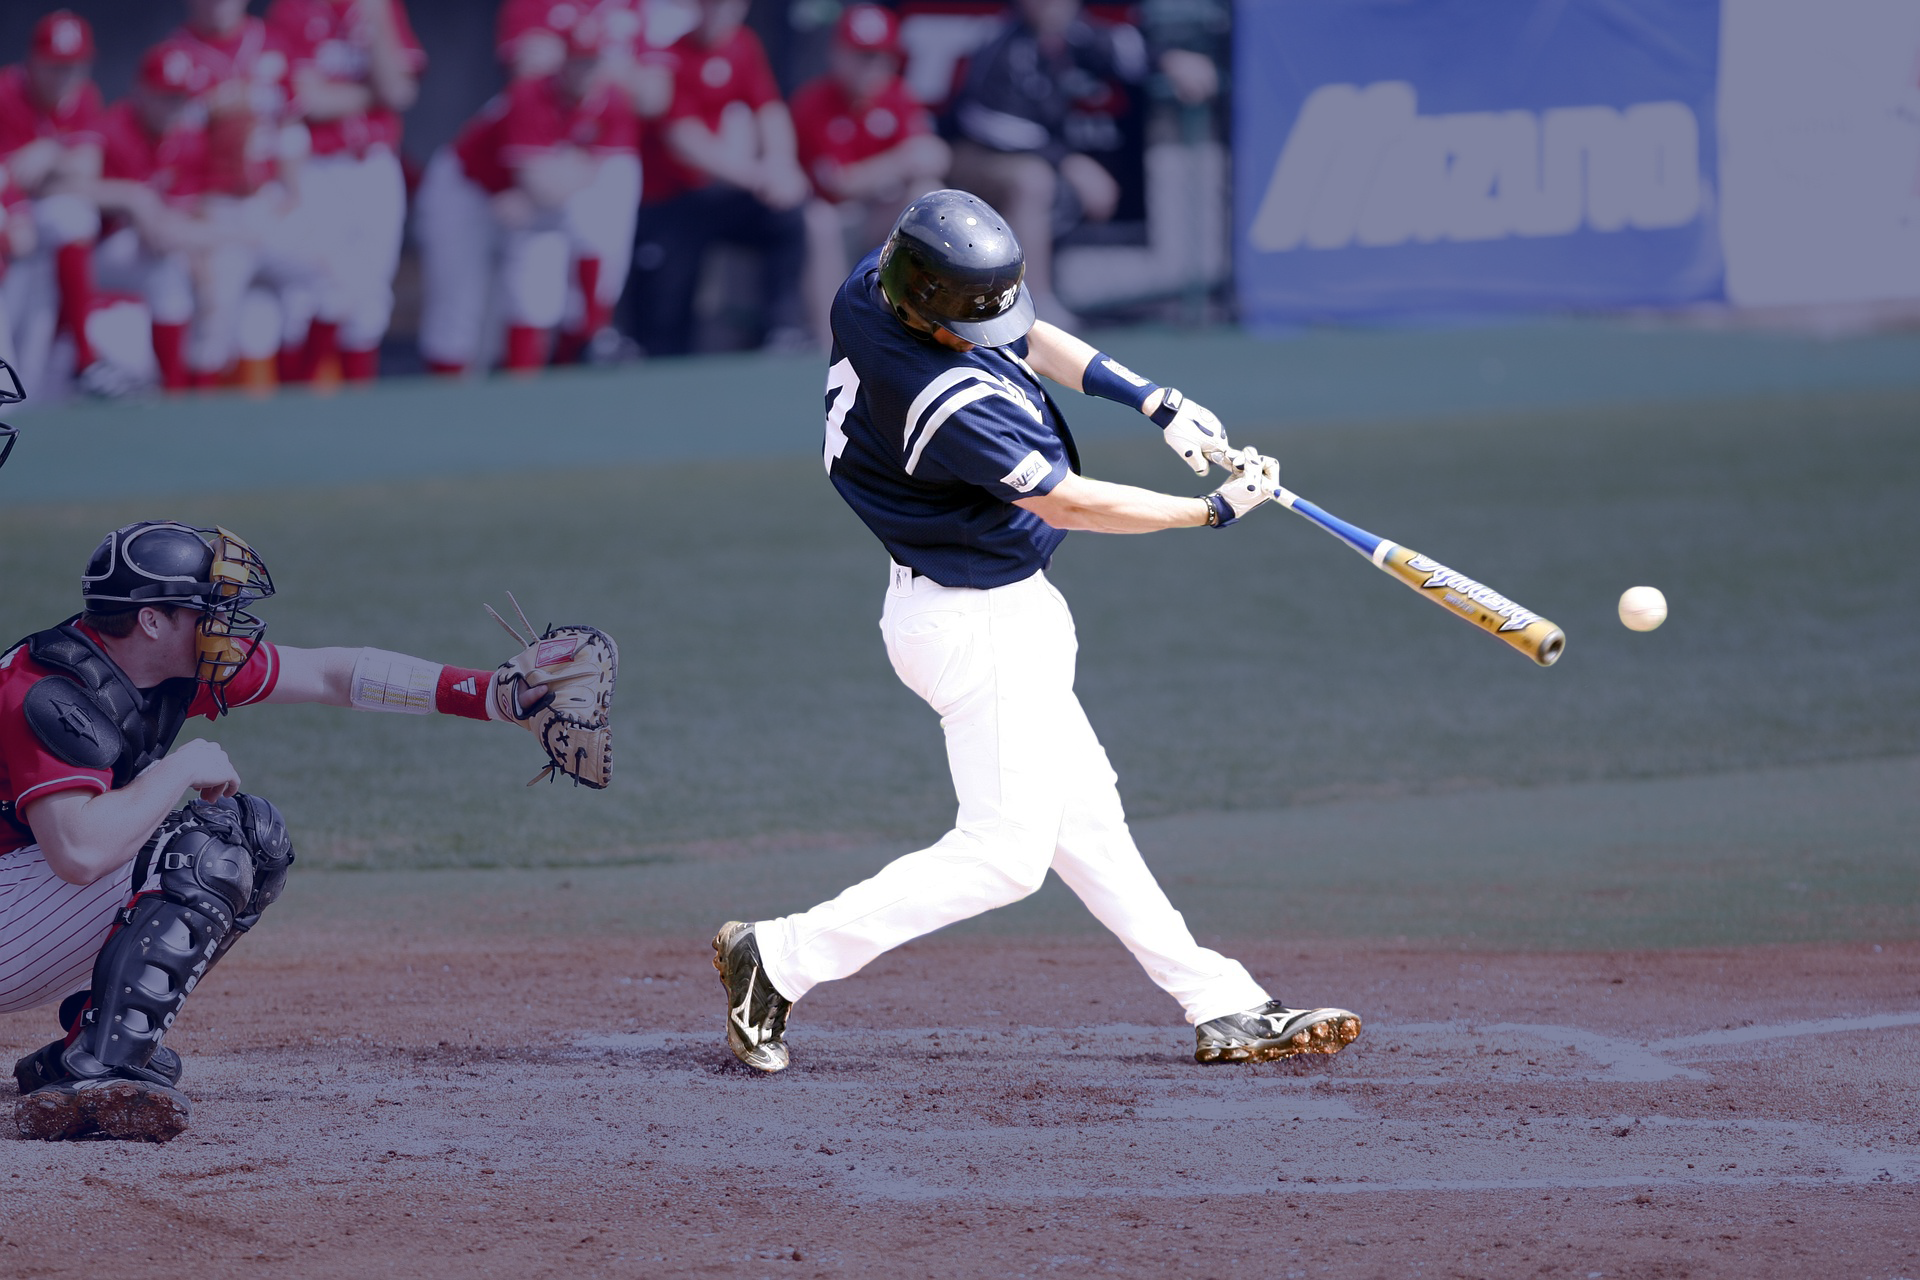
pixel 71 725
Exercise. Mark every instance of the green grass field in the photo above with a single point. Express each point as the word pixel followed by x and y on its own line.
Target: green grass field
pixel 1649 790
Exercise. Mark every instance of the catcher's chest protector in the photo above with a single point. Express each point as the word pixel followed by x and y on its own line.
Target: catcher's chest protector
pixel 146 723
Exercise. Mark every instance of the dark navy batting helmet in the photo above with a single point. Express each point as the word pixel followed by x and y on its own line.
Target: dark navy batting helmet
pixel 952 262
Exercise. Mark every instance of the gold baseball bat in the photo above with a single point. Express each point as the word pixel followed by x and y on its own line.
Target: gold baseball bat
pixel 1452 590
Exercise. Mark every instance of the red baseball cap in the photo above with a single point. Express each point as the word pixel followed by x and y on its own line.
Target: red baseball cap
pixel 870 29
pixel 63 36
pixel 167 69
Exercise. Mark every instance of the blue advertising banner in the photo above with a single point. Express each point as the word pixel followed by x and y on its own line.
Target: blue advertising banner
pixel 1396 157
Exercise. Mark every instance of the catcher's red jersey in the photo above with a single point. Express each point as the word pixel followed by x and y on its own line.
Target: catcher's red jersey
pixel 29 772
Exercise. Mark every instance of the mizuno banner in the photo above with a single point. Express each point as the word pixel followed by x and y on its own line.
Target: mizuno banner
pixel 1433 156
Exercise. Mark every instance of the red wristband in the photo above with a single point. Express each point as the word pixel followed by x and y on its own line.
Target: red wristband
pixel 462 691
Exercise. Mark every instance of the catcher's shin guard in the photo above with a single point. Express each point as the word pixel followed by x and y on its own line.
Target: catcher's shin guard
pixel 221 864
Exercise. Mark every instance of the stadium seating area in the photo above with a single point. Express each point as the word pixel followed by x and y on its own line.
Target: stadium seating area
pixel 648 178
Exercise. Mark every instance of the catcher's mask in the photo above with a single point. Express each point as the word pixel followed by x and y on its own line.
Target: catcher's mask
pixel 212 570
pixel 951 262
pixel 11 392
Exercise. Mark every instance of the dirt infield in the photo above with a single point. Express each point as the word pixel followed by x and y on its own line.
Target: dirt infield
pixel 512 1105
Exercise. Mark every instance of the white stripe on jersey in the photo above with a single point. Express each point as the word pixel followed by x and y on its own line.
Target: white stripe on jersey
pixel 932 392
pixel 985 384
pixel 953 404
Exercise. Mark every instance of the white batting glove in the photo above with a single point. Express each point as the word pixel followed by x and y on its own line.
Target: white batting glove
pixel 1191 430
pixel 1256 479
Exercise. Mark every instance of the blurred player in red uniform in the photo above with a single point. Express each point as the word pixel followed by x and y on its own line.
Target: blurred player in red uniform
pixel 258 288
pixel 867 146
pixel 357 66
pixel 634 39
pixel 153 181
pixel 498 208
pixel 722 168
pixel 51 117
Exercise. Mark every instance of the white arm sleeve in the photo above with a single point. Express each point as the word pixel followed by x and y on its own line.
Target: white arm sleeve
pixel 385 681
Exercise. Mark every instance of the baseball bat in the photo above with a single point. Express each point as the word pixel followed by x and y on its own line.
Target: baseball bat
pixel 1455 592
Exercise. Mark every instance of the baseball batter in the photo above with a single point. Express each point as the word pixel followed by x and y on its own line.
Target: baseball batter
pixel 942 438
pixel 113 902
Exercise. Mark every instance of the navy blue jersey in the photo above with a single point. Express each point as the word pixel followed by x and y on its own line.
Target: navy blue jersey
pixel 930 447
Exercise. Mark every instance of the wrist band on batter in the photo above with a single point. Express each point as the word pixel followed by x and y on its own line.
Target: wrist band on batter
pixel 1110 380
pixel 1219 512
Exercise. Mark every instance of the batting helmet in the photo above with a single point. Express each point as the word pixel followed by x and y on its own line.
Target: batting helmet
pixel 952 262
pixel 165 562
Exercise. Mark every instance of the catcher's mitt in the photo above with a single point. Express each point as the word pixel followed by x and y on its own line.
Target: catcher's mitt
pixel 573 719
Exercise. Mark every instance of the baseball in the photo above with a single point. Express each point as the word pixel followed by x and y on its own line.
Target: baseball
pixel 1642 608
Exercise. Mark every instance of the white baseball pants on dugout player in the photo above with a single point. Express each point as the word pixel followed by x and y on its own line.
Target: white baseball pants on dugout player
pixel 356 207
pixel 599 223
pixel 464 293
pixel 1036 793
pixel 50 931
pixel 123 263
pixel 256 293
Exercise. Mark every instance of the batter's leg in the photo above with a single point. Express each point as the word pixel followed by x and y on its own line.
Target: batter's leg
pixel 1099 861
pixel 997 665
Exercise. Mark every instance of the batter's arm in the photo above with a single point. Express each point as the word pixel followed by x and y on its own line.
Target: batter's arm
pixel 1100 506
pixel 1057 355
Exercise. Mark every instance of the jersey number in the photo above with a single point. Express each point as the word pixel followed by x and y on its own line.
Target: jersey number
pixel 843 384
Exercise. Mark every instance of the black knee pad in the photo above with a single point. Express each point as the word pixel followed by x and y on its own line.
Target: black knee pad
pixel 265 831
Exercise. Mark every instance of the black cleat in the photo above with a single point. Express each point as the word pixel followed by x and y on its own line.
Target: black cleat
pixel 112 1106
pixel 43 1067
pixel 1274 1031
pixel 756 1013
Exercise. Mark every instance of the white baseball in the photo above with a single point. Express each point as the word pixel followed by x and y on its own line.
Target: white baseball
pixel 1642 608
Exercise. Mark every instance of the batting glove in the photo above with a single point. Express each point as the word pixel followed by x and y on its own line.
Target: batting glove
pixel 1256 479
pixel 1192 431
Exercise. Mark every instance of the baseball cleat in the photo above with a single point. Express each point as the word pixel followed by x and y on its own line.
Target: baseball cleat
pixel 756 1013
pixel 109 1107
pixel 1272 1032
pixel 43 1067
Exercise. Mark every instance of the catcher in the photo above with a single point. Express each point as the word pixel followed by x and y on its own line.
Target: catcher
pixel 100 875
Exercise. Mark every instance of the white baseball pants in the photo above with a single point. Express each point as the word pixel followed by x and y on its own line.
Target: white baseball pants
pixel 257 291
pixel 599 223
pixel 356 207
pixel 1036 793
pixel 50 931
pixel 122 263
pixel 475 273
